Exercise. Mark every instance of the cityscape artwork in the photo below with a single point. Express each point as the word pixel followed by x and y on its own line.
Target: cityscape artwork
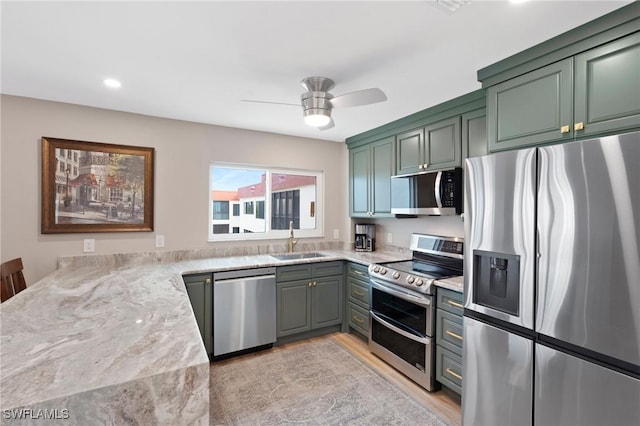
pixel 96 187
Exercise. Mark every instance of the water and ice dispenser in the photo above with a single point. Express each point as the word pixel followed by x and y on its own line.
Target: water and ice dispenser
pixel 496 281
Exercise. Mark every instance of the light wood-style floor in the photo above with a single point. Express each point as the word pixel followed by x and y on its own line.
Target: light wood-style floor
pixel 443 403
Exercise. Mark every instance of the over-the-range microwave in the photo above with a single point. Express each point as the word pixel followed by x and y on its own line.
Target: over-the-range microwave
pixel 437 193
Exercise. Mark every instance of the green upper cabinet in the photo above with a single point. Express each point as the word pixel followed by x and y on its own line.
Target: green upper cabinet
pixel 474 134
pixel 531 109
pixel 371 167
pixel 433 147
pixel 607 87
pixel 581 84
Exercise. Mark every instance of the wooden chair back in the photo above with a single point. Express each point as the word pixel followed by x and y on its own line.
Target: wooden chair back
pixel 11 279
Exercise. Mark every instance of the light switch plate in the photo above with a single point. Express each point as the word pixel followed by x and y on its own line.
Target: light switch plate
pixel 389 237
pixel 89 246
pixel 159 241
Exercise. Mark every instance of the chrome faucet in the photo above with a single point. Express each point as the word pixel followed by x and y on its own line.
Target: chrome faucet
pixel 292 242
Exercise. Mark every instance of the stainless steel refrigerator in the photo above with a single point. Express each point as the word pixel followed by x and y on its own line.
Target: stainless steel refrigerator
pixel 552 285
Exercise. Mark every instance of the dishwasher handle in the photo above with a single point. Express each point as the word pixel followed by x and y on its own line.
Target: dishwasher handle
pixel 241 279
pixel 243 273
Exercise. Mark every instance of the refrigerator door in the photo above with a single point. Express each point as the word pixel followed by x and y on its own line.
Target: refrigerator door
pixel 500 236
pixel 589 246
pixel 570 391
pixel 498 376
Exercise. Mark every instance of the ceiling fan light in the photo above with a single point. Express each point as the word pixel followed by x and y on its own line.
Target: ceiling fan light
pixel 317 117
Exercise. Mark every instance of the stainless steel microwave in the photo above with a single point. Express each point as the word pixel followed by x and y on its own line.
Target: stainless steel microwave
pixel 433 193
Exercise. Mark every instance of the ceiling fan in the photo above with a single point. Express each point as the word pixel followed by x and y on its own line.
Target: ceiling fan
pixel 317 102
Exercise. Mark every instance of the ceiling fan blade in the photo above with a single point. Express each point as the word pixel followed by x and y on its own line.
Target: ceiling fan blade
pixel 269 102
pixel 328 126
pixel 360 97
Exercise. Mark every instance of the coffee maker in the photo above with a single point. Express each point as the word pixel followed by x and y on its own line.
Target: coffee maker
pixel 365 237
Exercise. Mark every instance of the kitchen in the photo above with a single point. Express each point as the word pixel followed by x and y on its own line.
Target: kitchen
pixel 182 148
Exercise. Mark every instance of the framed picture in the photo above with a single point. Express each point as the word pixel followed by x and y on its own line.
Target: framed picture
pixel 96 187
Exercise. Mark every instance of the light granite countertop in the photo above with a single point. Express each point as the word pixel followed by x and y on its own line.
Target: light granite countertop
pixel 113 339
pixel 452 283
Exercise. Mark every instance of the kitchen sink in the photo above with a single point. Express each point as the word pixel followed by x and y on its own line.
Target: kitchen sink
pixel 294 256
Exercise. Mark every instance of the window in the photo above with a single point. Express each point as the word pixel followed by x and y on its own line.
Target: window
pixel 220 210
pixel 115 194
pixel 264 201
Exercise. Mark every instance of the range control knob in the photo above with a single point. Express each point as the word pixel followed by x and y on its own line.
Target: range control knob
pixel 419 282
pixel 383 271
pixel 376 269
pixel 396 275
pixel 410 279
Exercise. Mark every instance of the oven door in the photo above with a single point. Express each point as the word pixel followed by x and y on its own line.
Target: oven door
pixel 400 326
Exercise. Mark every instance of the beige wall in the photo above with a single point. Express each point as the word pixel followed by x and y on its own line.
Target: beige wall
pixel 183 152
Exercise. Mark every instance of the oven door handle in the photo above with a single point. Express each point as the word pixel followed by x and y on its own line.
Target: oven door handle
pixel 400 331
pixel 422 301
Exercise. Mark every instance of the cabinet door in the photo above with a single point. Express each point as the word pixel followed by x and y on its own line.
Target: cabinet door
pixel 383 162
pixel 409 152
pixel 293 303
pixel 199 291
pixel 607 87
pixel 474 134
pixel 533 108
pixel 359 172
pixel 327 301
pixel 442 148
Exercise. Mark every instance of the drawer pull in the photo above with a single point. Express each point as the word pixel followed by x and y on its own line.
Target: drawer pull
pixel 457 376
pixel 578 126
pixel 452 334
pixel 564 129
pixel 455 304
pixel 358 272
pixel 357 293
pixel 358 320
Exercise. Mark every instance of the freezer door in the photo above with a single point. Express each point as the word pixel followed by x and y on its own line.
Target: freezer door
pixel 499 257
pixel 498 376
pixel 570 391
pixel 589 245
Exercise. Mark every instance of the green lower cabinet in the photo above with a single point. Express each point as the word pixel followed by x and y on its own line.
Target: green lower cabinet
pixel 449 369
pixel 357 319
pixel 449 339
pixel 310 303
pixel 199 290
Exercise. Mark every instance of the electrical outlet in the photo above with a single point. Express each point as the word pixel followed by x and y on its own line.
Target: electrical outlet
pixel 389 237
pixel 159 241
pixel 89 245
pixel 336 234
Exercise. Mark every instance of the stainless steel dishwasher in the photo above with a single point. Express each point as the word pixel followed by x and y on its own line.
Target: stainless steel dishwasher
pixel 244 309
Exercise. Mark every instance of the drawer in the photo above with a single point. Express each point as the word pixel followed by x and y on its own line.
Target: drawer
pixel 358 292
pixel 449 369
pixel 450 301
pixel 358 318
pixel 358 271
pixel 325 269
pixel 449 331
pixel 293 272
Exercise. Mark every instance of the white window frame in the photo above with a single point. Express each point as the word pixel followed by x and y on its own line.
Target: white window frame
pixel 269 234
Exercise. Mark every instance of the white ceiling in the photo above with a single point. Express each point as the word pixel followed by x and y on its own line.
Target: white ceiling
pixel 196 61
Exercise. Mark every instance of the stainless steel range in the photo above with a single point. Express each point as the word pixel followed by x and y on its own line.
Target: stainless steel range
pixel 402 320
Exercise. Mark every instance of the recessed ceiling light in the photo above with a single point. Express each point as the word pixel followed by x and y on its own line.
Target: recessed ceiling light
pixel 111 82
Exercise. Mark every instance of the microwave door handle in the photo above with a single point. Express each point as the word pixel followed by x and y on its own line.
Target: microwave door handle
pixel 437 189
pixel 399 330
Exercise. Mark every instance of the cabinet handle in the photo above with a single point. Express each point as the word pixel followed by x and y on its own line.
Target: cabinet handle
pixel 207 281
pixel 457 376
pixel 310 284
pixel 358 320
pixel 455 304
pixel 454 335
pixel 578 126
pixel 315 283
pixel 420 166
pixel 564 129
pixel 357 293
pixel 358 272
pixel 425 166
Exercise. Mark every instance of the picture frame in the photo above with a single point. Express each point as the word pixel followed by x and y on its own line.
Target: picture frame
pixel 96 187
